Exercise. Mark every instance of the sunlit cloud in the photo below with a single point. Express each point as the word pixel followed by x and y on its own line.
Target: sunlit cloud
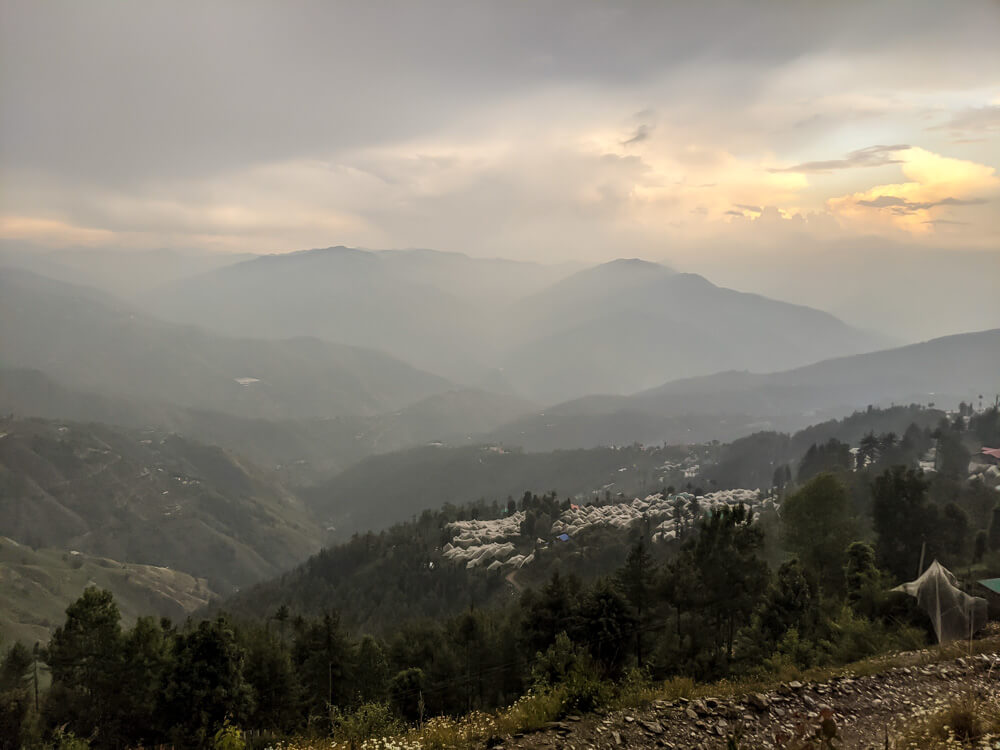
pixel 51 232
pixel 935 183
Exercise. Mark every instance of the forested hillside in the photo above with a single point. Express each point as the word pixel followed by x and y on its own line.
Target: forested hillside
pixel 399 485
pixel 460 556
pixel 299 451
pixel 735 590
pixel 147 497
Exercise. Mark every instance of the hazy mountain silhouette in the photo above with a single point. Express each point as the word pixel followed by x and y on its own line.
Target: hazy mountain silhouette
pixel 943 370
pixel 437 311
pixel 628 325
pixel 618 327
pixel 87 340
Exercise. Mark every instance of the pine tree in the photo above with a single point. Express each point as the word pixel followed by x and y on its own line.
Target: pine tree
pixel 817 523
pixel 635 580
pixel 86 659
pixel 15 696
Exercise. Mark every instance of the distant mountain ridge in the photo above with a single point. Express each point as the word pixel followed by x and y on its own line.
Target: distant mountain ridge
pixel 538 331
pixel 90 341
pixel 942 370
pixel 625 326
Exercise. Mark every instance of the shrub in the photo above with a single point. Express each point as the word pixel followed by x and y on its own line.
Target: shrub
pixel 963 723
pixel 64 740
pixel 584 691
pixel 533 710
pixel 366 721
pixel 229 737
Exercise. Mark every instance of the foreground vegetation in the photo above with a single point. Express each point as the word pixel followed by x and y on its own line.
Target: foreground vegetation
pixel 706 609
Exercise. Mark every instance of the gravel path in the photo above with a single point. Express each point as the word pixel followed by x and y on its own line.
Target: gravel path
pixel 865 710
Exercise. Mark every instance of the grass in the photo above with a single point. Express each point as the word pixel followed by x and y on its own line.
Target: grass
pixel 967 722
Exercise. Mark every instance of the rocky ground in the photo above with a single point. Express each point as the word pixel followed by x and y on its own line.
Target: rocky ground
pixel 864 709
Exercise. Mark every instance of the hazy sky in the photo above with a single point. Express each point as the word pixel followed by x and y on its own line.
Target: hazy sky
pixel 541 130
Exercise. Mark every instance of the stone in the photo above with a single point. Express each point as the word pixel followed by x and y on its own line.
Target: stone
pixel 654 727
pixel 759 701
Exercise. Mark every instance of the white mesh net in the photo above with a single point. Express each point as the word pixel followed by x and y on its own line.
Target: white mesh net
pixel 955 614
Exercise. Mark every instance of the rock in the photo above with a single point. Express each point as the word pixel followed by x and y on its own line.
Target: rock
pixel 691 713
pixel 617 737
pixel 759 701
pixel 795 685
pixel 652 726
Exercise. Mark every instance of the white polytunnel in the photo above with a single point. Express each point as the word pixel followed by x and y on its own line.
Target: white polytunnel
pixel 954 614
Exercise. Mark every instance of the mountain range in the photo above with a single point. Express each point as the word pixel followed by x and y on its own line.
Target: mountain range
pixel 533 330
pixel 88 340
pixel 944 370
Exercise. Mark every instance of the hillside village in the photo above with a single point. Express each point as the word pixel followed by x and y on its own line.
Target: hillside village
pixel 492 544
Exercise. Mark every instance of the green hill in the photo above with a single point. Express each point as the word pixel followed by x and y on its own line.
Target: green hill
pixel 148 497
pixel 36 585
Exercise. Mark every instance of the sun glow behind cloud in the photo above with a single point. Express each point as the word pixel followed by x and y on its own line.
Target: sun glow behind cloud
pixel 936 190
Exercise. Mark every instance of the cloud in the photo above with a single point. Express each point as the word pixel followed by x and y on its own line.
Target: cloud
pixel 872 156
pixel 904 206
pixel 52 232
pixel 342 123
pixel 935 182
pixel 973 121
pixel 642 133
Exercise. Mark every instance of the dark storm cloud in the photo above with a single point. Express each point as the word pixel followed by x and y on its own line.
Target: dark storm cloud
pixel 872 156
